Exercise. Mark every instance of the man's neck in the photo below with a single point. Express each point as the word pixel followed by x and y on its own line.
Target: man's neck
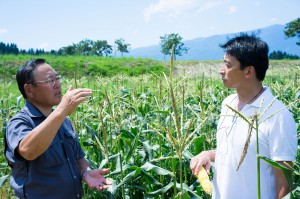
pixel 248 94
pixel 45 110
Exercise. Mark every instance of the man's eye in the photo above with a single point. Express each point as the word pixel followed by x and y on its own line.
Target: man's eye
pixel 51 80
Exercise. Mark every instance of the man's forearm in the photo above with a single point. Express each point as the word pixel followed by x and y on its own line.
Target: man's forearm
pixel 83 165
pixel 41 137
pixel 282 184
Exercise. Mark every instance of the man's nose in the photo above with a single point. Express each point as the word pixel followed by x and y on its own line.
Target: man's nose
pixel 221 71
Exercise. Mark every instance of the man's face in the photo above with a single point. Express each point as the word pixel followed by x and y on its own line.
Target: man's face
pixel 231 74
pixel 44 92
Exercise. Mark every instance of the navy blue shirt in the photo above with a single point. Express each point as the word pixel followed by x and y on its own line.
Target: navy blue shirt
pixel 55 173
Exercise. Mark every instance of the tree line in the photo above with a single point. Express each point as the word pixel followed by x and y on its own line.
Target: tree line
pixel 282 55
pixel 84 47
pixel 100 47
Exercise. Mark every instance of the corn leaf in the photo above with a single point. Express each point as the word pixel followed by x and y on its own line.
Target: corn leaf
pixel 3 179
pixel 161 191
pixel 111 192
pixel 291 194
pixel 182 195
pixel 132 148
pixel 151 178
pixel 274 163
pixel 131 176
pixel 286 171
pixel 158 170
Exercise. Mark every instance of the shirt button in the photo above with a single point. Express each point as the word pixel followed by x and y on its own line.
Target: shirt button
pixel 78 195
pixel 68 159
pixel 75 177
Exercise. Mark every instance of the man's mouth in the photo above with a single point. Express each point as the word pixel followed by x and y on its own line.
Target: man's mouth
pixel 58 93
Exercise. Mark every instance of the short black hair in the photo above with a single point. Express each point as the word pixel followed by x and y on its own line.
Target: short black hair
pixel 25 74
pixel 249 50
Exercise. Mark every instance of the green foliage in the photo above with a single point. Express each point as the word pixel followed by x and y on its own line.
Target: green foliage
pixel 8 48
pixel 101 48
pixel 292 29
pixel 122 46
pixel 87 47
pixel 282 55
pixel 169 40
pixel 69 66
pixel 84 47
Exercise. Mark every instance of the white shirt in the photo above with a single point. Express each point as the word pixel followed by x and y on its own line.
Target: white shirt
pixel 277 141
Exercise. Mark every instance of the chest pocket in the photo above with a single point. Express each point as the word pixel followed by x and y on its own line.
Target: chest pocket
pixel 68 134
pixel 70 141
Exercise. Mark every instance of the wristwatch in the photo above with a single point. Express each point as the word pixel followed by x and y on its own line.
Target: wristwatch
pixel 85 172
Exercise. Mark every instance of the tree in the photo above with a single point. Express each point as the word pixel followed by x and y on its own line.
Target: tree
pixel 2 48
pixel 282 55
pixel 292 29
pixel 122 46
pixel 53 52
pixel 101 48
pixel 9 48
pixel 84 47
pixel 31 51
pixel 68 50
pixel 167 41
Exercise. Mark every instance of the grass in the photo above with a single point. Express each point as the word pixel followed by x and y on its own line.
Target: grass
pixel 85 65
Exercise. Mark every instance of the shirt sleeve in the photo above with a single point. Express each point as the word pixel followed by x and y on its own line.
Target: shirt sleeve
pixel 17 129
pixel 283 137
pixel 79 153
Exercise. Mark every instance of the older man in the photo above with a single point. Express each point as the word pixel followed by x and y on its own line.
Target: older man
pixel 42 148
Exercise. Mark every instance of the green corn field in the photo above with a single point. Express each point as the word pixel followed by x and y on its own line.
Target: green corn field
pixel 146 128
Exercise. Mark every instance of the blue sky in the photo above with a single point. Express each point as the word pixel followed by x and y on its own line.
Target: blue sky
pixel 51 24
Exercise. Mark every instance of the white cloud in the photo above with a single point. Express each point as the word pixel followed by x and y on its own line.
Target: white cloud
pixel 274 19
pixel 171 8
pixel 232 9
pixel 212 28
pixel 43 45
pixel 3 30
pixel 208 5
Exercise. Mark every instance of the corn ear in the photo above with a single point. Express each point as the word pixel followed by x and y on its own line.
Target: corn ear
pixel 204 181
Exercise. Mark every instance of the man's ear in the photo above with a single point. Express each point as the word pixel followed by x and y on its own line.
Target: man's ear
pixel 250 72
pixel 28 90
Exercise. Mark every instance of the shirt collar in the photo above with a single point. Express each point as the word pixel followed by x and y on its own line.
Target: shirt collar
pixel 32 111
pixel 264 96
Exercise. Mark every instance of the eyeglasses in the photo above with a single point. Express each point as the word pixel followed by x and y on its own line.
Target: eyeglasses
pixel 50 81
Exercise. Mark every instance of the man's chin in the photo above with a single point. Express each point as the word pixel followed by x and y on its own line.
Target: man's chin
pixel 224 82
pixel 58 99
pixel 226 85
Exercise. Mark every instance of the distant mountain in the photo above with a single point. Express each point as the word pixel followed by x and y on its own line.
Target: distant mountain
pixel 208 48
